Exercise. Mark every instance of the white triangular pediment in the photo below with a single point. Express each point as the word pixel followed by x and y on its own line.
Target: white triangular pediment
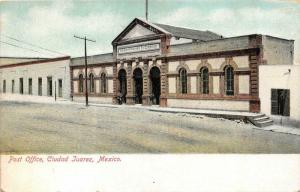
pixel 138 31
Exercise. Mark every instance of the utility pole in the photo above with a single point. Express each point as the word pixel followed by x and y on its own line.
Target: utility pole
pixel 85 59
pixel 147 10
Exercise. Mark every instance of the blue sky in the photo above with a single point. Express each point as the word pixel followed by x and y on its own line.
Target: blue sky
pixel 52 24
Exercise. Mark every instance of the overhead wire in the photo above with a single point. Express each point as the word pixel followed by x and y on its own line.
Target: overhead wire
pixel 21 47
pixel 37 46
pixel 32 45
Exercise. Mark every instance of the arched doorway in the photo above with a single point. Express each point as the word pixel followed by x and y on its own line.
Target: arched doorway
pixel 155 85
pixel 138 85
pixel 122 85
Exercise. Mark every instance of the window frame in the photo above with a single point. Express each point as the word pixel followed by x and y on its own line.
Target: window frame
pixel 204 81
pixel 4 86
pixel 12 86
pixel 29 86
pixel 60 88
pixel 80 83
pixel 183 81
pixel 91 83
pixel 230 81
pixel 50 86
pixel 21 86
pixel 103 83
pixel 40 86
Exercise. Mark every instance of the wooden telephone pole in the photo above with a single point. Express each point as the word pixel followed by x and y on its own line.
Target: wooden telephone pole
pixel 85 59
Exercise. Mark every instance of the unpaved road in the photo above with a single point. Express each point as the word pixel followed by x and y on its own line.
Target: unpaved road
pixel 64 128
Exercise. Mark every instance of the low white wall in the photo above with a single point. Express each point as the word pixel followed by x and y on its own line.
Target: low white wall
pixel 210 104
pixel 30 98
pixel 279 77
pixel 100 100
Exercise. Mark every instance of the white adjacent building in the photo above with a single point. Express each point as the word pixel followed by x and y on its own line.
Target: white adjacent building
pixel 37 77
pixel 280 93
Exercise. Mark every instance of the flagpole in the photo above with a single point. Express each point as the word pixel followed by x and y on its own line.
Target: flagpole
pixel 147 10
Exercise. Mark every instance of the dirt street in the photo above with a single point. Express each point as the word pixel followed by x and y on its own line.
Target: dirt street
pixel 65 128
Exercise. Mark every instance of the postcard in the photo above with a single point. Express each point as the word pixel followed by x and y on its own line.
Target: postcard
pixel 149 95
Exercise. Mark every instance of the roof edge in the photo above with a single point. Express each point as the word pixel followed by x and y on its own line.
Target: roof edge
pixel 36 62
pixel 15 57
pixel 110 53
pixel 275 37
pixel 144 21
pixel 156 26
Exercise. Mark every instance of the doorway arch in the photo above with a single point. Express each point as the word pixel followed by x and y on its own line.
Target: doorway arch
pixel 122 85
pixel 155 85
pixel 138 85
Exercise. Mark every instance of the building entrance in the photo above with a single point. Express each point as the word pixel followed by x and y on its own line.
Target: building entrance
pixel 155 85
pixel 138 85
pixel 280 102
pixel 122 86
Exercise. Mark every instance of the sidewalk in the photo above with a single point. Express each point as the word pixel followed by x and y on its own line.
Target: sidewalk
pixel 206 112
pixel 281 129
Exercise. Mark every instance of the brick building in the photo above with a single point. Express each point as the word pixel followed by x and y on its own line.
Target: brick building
pixel 156 64
pixel 171 66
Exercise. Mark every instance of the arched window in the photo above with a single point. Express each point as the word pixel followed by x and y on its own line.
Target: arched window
pixel 103 83
pixel 182 81
pixel 204 80
pixel 229 81
pixel 92 83
pixel 80 83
